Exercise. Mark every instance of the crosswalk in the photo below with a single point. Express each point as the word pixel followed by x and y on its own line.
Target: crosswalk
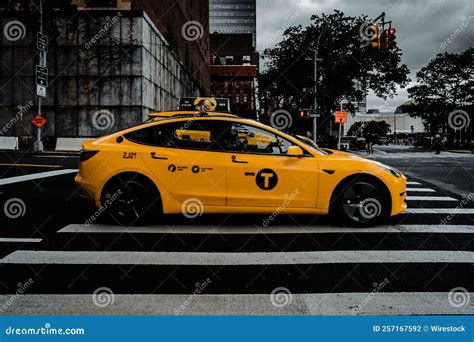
pixel 411 265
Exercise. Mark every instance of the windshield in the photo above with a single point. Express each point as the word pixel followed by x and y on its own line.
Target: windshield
pixel 308 142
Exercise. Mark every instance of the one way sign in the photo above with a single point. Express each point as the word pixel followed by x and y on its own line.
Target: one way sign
pixel 41 76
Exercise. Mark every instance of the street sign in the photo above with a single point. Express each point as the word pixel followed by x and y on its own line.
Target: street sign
pixel 41 76
pixel 39 121
pixel 340 117
pixel 40 90
pixel 42 42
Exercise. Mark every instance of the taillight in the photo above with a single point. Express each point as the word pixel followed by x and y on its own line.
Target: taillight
pixel 87 154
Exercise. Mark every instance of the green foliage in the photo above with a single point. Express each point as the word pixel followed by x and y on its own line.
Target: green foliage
pixel 362 128
pixel 347 69
pixel 444 84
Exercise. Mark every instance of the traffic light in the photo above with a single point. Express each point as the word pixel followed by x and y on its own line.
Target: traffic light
pixel 375 41
pixel 391 43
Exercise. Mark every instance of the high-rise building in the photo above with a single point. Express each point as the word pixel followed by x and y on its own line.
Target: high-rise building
pixel 233 16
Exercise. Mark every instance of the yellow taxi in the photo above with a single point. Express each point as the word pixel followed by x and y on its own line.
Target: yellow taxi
pixel 192 163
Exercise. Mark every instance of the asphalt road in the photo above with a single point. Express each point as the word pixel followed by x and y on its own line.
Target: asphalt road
pixel 219 264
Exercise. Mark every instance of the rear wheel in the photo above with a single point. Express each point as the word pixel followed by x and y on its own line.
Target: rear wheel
pixel 361 202
pixel 129 199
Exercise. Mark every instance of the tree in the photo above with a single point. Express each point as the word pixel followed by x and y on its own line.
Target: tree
pixel 444 85
pixel 346 69
pixel 363 128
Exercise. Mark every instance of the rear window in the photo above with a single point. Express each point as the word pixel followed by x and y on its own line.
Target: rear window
pixel 143 136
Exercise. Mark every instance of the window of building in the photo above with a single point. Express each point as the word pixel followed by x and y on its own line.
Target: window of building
pixel 246 60
pixel 229 60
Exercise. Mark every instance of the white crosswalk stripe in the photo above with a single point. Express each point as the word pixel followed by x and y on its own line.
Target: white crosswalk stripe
pixel 312 247
pixel 420 190
pixel 431 198
pixel 262 258
pixel 229 230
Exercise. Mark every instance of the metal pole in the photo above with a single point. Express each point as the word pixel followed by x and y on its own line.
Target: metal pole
pixel 315 103
pixel 340 132
pixel 39 143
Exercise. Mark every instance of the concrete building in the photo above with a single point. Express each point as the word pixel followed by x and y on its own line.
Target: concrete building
pixel 111 62
pixel 234 69
pixel 233 16
pixel 402 123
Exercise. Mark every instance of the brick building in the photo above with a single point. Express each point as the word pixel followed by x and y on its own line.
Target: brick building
pixel 234 69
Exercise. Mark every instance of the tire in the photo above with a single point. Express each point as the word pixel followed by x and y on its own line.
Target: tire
pixel 361 202
pixel 129 199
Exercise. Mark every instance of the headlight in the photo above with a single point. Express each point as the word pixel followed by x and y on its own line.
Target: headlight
pixel 391 170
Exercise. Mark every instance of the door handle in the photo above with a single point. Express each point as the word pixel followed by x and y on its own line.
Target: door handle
pixel 154 156
pixel 234 160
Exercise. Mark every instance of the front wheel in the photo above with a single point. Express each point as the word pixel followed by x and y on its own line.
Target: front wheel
pixel 362 202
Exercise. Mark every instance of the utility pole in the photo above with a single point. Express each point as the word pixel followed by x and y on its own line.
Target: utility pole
pixel 315 101
pixel 38 146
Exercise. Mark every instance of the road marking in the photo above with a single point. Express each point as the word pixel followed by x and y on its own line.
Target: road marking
pixel 413 183
pixel 252 230
pixel 20 240
pixel 12 180
pixel 32 165
pixel 447 211
pixel 382 303
pixel 431 198
pixel 420 190
pixel 258 258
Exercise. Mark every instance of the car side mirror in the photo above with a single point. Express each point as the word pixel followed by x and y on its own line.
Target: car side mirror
pixel 295 151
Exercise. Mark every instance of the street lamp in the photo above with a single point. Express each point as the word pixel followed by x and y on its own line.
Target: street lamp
pixel 315 86
pixel 315 60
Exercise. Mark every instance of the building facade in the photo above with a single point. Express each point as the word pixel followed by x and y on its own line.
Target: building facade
pixel 234 69
pixel 233 16
pixel 110 64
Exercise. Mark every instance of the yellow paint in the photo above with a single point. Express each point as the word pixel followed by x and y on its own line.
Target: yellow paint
pixel 226 182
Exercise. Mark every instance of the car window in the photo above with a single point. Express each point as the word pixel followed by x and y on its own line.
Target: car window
pixel 190 134
pixel 250 139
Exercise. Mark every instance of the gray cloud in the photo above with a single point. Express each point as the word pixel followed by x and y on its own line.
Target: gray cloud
pixel 423 27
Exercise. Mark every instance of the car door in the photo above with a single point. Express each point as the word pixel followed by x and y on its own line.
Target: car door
pixel 184 162
pixel 260 174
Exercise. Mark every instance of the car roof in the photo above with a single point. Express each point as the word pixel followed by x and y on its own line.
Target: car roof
pixel 181 113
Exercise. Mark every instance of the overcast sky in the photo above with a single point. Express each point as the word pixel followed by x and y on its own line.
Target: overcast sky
pixel 423 27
